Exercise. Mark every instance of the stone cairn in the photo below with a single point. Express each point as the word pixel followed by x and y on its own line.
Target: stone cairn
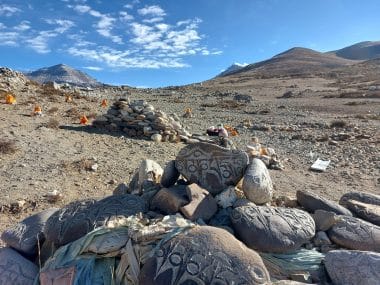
pixel 140 119
pixel 211 216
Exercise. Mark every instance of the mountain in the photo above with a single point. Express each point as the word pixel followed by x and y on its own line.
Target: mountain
pixel 294 61
pixel 233 68
pixel 62 73
pixel 360 51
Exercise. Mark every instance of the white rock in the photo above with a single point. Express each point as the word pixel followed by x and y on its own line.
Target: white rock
pixel 226 198
pixel 156 138
pixel 257 184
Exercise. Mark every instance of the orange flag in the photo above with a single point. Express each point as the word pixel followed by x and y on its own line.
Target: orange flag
pixel 83 120
pixel 104 103
pixel 37 110
pixel 10 99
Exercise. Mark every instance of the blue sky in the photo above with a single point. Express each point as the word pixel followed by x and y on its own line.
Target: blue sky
pixel 173 42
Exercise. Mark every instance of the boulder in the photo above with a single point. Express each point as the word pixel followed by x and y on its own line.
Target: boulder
pixel 348 267
pixel 312 202
pixel 354 233
pixel 16 269
pixel 361 197
pixel 368 212
pixel 25 235
pixel 202 205
pixel 80 217
pixel 204 255
pixel 270 229
pixel 257 184
pixel 210 166
pixel 170 175
pixel 170 200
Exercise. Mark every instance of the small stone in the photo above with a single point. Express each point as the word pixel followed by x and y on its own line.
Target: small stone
pixel 226 198
pixel 170 174
pixel 156 138
pixel 257 184
pixel 94 167
pixel 202 205
pixel 170 200
pixel 321 238
pixel 324 220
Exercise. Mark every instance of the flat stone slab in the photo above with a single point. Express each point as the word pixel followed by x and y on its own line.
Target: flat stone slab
pixel 368 212
pixel 80 217
pixel 25 235
pixel 270 229
pixel 361 197
pixel 312 202
pixel 204 255
pixel 354 233
pixel 16 269
pixel 210 166
pixel 351 267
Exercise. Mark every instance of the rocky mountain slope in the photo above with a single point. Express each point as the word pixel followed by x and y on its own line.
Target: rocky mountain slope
pixel 232 68
pixel 62 73
pixel 360 51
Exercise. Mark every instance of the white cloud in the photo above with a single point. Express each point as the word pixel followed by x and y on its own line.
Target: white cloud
pixel 93 68
pixel 153 20
pixel 40 43
pixel 63 25
pixel 125 16
pixel 82 8
pixel 8 10
pixel 154 10
pixel 23 26
pixel 2 26
pixel 9 38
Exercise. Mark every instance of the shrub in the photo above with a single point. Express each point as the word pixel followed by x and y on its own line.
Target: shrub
pixel 7 146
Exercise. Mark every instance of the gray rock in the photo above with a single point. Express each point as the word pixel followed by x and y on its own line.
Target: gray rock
pixel 355 233
pixel 148 170
pixel 202 205
pixel 312 202
pixel 226 198
pixel 15 269
pixel 170 175
pixel 321 238
pixel 170 200
pixel 121 189
pixel 25 235
pixel 347 267
pixel 368 212
pixel 210 166
pixel 257 184
pixel 80 217
pixel 270 229
pixel 204 255
pixel 324 220
pixel 361 197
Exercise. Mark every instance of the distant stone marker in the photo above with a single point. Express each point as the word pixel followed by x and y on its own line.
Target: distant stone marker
pixel 210 166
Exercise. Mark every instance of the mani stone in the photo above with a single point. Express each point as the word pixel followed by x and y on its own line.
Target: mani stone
pixel 368 212
pixel 16 269
pixel 210 166
pixel 361 197
pixel 80 217
pixel 170 200
pixel 202 205
pixel 204 255
pixel 312 202
pixel 257 184
pixel 351 267
pixel 270 229
pixel 354 233
pixel 170 175
pixel 25 235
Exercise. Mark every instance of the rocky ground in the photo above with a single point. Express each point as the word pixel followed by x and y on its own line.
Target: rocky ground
pixel 54 152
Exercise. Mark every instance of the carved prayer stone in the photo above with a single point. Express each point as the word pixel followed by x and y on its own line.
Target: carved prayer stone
pixel 355 233
pixel 312 202
pixel 25 235
pixel 257 184
pixel 80 217
pixel 204 255
pixel 350 267
pixel 16 269
pixel 361 197
pixel 210 166
pixel 270 229
pixel 368 212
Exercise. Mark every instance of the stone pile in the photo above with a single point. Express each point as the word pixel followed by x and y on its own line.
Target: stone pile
pixel 140 119
pixel 222 234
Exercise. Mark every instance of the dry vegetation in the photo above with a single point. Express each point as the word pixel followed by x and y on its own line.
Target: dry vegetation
pixel 7 146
